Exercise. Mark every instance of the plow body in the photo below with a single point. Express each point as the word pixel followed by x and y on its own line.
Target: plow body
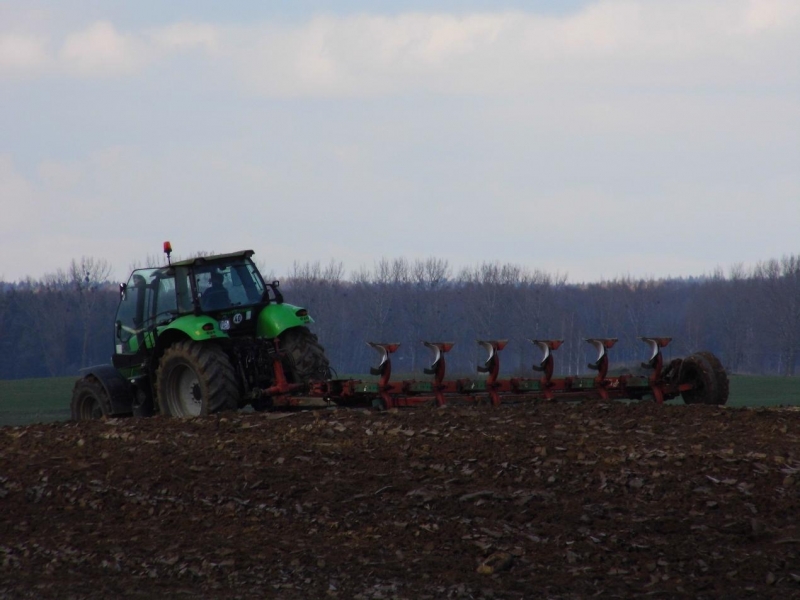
pixel 700 378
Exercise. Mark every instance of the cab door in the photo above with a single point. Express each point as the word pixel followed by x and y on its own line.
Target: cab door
pixel 130 324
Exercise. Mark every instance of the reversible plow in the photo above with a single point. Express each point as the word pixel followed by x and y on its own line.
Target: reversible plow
pixel 698 378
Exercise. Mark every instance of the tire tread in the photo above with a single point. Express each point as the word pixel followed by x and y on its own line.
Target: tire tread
pixel 213 368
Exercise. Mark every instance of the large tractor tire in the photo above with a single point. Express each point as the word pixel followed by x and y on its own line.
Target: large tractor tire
pixel 89 400
pixel 723 383
pixel 305 357
pixel 708 377
pixel 194 379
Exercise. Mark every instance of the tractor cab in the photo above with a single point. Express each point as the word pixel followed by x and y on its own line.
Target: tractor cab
pixel 223 284
pixel 155 297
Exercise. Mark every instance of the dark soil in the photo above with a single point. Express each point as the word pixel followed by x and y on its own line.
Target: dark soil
pixel 523 501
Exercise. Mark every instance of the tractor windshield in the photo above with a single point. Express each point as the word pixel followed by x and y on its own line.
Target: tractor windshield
pixel 223 285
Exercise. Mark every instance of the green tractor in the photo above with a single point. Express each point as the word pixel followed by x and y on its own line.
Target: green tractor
pixel 196 337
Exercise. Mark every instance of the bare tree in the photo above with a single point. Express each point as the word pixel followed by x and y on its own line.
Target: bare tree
pixel 781 286
pixel 87 276
pixel 151 261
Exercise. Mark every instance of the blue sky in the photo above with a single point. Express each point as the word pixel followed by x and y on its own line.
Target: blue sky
pixel 596 139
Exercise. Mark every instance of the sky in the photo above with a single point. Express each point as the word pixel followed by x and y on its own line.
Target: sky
pixel 594 139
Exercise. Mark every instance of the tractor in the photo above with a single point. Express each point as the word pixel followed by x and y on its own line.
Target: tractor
pixel 200 336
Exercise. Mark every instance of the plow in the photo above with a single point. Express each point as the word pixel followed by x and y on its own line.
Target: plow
pixel 209 334
pixel 698 378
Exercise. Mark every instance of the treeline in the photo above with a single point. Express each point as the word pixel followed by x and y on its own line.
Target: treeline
pixel 750 318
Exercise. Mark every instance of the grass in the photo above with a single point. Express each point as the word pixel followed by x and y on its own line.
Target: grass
pixel 762 390
pixel 27 401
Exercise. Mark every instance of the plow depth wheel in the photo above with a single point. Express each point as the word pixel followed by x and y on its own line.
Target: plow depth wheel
pixel 89 400
pixel 708 377
pixel 196 378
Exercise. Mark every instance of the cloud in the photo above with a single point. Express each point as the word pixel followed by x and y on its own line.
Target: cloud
pixel 610 42
pixel 101 50
pixel 187 36
pixel 614 42
pixel 66 209
pixel 21 52
pixel 17 196
pixel 760 15
pixel 59 176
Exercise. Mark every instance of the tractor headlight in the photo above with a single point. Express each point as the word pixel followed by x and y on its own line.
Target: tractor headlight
pixel 225 324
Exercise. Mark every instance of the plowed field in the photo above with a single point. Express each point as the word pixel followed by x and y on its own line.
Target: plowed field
pixel 564 500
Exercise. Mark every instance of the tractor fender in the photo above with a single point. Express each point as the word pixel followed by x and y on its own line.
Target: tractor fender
pixel 196 327
pixel 274 319
pixel 118 388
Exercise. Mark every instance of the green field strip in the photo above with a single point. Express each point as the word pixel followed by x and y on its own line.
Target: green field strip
pixel 28 401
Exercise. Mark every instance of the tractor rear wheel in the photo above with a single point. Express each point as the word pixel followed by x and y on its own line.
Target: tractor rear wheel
pixel 708 377
pixel 305 356
pixel 89 400
pixel 196 378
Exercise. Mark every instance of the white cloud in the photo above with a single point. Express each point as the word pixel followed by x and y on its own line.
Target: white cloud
pixel 22 52
pixel 16 199
pixel 614 42
pixel 59 176
pixel 610 42
pixel 67 209
pixel 760 15
pixel 102 50
pixel 187 36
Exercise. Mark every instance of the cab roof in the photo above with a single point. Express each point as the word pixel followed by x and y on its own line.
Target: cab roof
pixel 201 260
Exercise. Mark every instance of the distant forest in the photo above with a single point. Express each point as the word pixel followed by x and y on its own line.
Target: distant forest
pixel 750 318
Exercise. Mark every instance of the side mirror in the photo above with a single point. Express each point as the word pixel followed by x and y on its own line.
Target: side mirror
pixel 278 296
pixel 123 289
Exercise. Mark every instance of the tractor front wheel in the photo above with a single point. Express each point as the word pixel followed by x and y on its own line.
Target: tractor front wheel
pixel 194 379
pixel 89 400
pixel 708 378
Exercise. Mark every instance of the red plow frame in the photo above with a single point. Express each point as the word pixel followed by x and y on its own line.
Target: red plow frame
pixel 700 378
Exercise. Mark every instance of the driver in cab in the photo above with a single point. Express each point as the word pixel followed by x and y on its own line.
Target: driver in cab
pixel 215 296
